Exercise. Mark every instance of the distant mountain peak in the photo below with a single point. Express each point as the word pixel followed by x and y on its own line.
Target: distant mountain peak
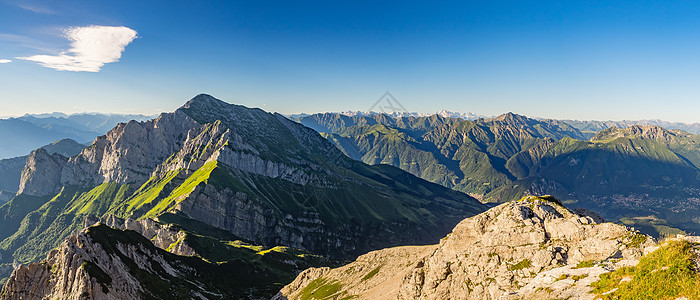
pixel 203 100
pixel 638 131
pixel 510 119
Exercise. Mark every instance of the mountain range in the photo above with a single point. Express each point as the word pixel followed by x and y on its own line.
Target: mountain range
pixel 231 177
pixel 24 134
pixel 590 128
pixel 643 175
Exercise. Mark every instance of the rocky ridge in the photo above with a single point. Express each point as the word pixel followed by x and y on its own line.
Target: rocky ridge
pixel 41 174
pixel 104 263
pixel 515 250
pixel 149 259
pixel 163 236
pixel 642 131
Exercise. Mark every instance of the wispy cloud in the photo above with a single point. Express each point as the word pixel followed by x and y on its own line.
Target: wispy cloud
pixel 91 48
pixel 36 8
pixel 4 61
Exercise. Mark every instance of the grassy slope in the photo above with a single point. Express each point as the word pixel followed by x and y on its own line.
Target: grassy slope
pixel 267 269
pixel 667 273
pixel 12 212
pixel 45 228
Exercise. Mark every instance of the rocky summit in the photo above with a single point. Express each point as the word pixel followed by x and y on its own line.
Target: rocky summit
pixel 533 248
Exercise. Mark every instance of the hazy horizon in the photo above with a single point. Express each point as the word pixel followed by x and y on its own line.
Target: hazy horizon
pixel 349 112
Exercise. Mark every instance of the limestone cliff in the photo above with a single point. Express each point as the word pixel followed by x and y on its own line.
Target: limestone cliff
pixel 83 268
pixel 41 175
pixel 11 168
pixel 515 250
pixel 127 154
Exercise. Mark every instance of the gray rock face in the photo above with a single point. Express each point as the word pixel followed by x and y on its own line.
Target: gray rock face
pixel 11 168
pixel 103 263
pixel 42 173
pixel 163 237
pixel 66 274
pixel 133 152
pixel 240 214
pixel 129 153
pixel 507 252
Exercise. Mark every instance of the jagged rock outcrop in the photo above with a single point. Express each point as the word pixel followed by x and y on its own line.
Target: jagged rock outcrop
pixel 165 237
pixel 41 175
pixel 78 270
pixel 127 154
pixel 130 152
pixel 507 251
pixel 104 263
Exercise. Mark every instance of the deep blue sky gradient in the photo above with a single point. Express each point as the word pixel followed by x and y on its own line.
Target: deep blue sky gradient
pixel 561 59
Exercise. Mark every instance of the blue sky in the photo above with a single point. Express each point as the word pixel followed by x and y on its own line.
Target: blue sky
pixel 560 59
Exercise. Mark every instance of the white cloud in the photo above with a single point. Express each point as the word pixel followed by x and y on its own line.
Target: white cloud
pixel 4 61
pixel 91 48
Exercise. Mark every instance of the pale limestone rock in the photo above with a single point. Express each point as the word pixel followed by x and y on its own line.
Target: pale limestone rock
pixel 63 275
pixel 129 152
pixel 517 250
pixel 162 236
pixel 41 175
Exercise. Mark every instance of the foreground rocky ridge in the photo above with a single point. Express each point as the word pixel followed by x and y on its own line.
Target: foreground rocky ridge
pixel 515 250
pixel 149 259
